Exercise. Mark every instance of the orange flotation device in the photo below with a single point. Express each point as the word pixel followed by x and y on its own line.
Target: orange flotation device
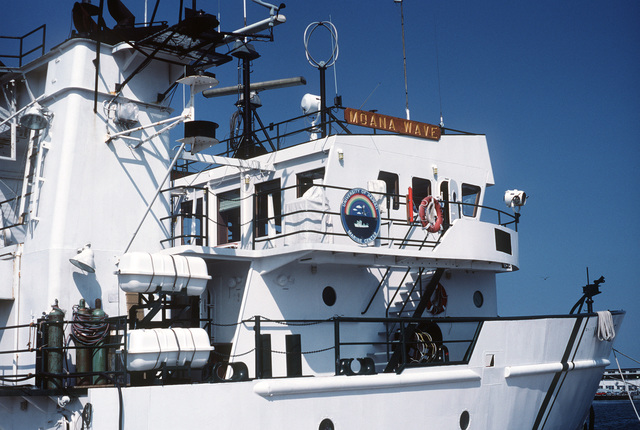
pixel 427 207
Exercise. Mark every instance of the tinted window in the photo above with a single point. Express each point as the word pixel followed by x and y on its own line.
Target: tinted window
pixel 391 179
pixel 229 217
pixel 421 189
pixel 470 198
pixel 306 180
pixel 267 192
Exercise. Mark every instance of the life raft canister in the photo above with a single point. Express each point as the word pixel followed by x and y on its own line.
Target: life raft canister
pixel 426 214
pixel 437 303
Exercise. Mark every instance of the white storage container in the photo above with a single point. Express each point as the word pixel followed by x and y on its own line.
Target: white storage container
pixel 149 349
pixel 141 272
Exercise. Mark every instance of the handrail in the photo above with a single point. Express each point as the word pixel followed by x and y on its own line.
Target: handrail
pixel 280 138
pixel 40 348
pixel 22 54
pixel 413 288
pixel 461 332
pixel 279 219
pixel 395 294
pixel 399 222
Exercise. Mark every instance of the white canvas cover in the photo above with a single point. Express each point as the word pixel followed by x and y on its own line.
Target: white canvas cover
pixel 309 219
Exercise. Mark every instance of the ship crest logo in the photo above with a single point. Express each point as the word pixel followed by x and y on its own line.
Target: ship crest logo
pixel 360 215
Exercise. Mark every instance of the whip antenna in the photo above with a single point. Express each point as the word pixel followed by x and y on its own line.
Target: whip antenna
pixel 438 70
pixel 404 57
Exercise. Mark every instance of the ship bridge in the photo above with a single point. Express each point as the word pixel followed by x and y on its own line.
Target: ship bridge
pixel 351 199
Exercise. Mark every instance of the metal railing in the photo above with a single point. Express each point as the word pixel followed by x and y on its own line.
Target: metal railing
pixel 399 233
pixel 417 342
pixel 23 53
pixel 54 369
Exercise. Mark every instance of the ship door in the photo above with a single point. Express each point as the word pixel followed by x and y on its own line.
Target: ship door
pixel 444 197
pixel 454 199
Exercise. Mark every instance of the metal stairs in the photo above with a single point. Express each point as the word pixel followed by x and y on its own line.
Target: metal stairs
pixel 408 301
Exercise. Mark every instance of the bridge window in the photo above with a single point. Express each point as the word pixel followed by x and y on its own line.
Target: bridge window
pixel 421 189
pixel 229 217
pixel 470 198
pixel 268 215
pixel 192 222
pixel 308 179
pixel 393 189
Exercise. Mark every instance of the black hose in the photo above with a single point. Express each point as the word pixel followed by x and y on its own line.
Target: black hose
pixel 87 329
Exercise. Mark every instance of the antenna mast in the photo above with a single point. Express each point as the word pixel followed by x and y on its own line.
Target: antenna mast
pixel 404 57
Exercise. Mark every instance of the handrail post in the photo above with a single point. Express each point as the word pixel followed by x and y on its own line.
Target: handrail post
pixel 258 347
pixel 336 334
pixel 403 343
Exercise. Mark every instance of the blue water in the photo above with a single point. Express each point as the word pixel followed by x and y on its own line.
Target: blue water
pixel 615 415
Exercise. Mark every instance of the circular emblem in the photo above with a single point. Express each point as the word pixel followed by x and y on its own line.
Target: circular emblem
pixel 360 215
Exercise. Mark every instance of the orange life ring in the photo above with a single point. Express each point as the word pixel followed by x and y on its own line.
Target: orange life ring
pixel 426 218
pixel 437 303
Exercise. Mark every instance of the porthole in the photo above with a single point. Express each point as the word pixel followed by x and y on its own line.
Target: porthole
pixel 326 424
pixel 478 299
pixel 464 420
pixel 329 296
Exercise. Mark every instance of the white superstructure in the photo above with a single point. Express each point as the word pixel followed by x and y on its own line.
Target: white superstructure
pixel 339 283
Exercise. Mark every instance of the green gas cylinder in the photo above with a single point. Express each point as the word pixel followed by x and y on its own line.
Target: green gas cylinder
pixel 99 353
pixel 83 354
pixel 54 342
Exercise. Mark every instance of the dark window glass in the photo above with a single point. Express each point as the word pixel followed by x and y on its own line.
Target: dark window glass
pixel 421 189
pixel 306 180
pixel 268 192
pixel 393 189
pixel 229 217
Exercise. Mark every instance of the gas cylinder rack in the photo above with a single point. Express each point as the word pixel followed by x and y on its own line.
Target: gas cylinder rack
pixel 83 351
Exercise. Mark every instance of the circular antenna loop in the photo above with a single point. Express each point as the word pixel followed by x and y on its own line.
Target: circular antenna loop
pixel 322 64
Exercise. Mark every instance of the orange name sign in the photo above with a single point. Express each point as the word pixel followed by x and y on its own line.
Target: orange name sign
pixel 391 123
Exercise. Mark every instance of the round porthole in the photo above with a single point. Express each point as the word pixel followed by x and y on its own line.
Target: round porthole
pixel 329 296
pixel 464 420
pixel 326 424
pixel 478 299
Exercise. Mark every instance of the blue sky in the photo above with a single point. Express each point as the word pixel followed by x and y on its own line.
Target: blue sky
pixel 553 85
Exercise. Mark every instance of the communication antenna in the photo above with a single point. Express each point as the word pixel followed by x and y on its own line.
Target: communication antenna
pixel 404 58
pixel 323 64
pixel 337 101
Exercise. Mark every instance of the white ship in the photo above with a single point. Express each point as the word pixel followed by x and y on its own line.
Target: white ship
pixel 223 284
pixel 619 384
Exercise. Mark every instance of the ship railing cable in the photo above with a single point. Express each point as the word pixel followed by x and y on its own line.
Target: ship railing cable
pixel 626 356
pixel 316 351
pixel 287 323
pixel 242 354
pixel 626 386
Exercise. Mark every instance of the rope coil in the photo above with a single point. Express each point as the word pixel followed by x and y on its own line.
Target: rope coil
pixel 606 329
